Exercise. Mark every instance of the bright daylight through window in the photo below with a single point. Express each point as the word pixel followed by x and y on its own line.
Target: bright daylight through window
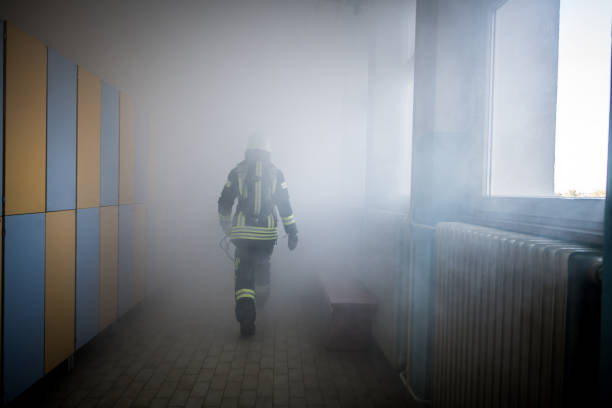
pixel 583 98
pixel 550 98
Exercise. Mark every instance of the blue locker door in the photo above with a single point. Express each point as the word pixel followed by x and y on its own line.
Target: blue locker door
pixel 24 305
pixel 125 273
pixel 87 274
pixel 109 149
pixel 61 132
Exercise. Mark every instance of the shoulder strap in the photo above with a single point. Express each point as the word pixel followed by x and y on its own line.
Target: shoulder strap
pixel 241 172
pixel 273 177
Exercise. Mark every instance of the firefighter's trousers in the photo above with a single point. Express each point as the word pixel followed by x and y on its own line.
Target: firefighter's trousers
pixel 252 269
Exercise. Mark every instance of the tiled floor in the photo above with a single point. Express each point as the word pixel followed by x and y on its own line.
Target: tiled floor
pixel 184 350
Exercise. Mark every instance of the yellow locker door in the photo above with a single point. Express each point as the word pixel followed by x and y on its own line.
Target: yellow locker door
pixel 26 123
pixel 59 286
pixel 88 139
pixel 126 150
pixel 109 229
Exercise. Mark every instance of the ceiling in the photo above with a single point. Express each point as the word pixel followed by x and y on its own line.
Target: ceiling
pixel 120 40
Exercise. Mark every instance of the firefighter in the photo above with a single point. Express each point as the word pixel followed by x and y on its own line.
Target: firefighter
pixel 260 189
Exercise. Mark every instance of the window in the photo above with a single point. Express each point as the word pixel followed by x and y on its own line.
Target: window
pixel 583 98
pixel 549 101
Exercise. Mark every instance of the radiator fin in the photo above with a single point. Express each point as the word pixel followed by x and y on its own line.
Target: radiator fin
pixel 500 318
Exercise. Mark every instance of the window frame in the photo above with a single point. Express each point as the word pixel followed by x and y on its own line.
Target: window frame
pixel 575 219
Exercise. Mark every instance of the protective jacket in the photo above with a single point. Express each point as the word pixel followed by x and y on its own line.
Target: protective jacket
pixel 260 188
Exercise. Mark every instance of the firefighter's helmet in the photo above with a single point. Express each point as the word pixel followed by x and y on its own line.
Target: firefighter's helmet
pixel 257 141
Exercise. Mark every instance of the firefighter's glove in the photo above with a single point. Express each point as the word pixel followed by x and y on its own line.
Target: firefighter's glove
pixel 292 241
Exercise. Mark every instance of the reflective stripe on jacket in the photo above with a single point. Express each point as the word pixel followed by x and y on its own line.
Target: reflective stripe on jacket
pixel 260 188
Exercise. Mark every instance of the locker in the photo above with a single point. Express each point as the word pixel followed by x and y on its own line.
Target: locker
pixel 125 275
pixel 61 132
pixel 24 290
pixel 88 140
pixel 25 123
pixel 87 274
pixel 109 219
pixel 59 287
pixel 126 150
pixel 139 252
pixel 109 194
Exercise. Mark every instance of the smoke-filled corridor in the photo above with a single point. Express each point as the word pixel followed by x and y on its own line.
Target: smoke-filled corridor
pixel 173 351
pixel 318 203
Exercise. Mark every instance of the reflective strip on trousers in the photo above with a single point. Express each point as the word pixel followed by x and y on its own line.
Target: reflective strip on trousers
pixel 245 293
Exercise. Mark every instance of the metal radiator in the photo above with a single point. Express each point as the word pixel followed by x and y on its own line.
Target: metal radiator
pixel 516 319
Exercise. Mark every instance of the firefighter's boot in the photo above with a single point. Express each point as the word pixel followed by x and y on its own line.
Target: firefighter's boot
pixel 245 314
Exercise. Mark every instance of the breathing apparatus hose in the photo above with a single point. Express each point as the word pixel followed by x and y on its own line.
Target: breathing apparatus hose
pixel 226 245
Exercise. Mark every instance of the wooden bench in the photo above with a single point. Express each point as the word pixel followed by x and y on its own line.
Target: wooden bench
pixel 352 310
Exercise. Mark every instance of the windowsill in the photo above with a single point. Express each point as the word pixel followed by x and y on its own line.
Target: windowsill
pixel 573 219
